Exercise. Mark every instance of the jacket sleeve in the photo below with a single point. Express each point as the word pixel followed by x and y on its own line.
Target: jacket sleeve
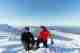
pixel 32 36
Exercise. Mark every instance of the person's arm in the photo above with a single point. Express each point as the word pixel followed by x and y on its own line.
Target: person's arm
pixel 32 37
pixel 52 37
pixel 38 34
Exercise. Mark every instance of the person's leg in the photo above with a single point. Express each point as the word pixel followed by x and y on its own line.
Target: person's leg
pixel 28 47
pixel 33 43
pixel 25 44
pixel 45 44
pixel 30 44
pixel 38 42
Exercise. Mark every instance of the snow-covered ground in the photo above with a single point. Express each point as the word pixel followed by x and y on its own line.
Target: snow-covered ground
pixel 68 40
pixel 63 43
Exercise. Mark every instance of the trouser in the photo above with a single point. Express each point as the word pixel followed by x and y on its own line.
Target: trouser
pixel 44 42
pixel 27 45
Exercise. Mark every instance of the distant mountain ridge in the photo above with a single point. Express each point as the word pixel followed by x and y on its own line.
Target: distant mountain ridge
pixel 4 27
pixel 73 29
pixel 8 28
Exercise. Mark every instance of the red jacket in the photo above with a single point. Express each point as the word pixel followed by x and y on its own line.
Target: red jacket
pixel 44 35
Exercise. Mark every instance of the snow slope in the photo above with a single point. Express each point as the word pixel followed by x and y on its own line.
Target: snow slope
pixel 63 43
pixel 68 40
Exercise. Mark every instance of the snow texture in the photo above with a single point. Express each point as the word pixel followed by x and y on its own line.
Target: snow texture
pixel 64 43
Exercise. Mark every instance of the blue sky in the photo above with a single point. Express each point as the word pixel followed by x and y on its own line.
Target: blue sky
pixel 40 12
